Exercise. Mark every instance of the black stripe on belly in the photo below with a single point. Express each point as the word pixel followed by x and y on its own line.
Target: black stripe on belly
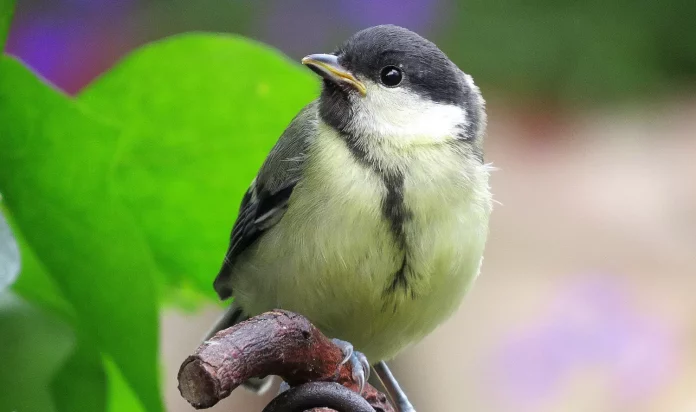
pixel 393 209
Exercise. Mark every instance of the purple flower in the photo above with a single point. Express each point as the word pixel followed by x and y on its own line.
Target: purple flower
pixel 592 325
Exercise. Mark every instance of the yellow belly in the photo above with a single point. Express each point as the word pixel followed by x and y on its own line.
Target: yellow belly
pixel 332 255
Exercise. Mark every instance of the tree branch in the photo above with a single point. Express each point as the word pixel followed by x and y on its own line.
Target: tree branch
pixel 274 343
pixel 321 395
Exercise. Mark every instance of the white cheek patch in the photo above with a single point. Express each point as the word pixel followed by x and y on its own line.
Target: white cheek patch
pixel 403 117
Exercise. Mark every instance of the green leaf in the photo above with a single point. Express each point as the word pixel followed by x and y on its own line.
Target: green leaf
pixel 80 384
pixel 56 181
pixel 6 11
pixel 150 162
pixel 33 345
pixel 121 397
pixel 9 255
pixel 35 284
pixel 199 113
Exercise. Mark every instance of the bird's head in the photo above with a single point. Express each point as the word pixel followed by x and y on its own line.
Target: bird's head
pixel 389 83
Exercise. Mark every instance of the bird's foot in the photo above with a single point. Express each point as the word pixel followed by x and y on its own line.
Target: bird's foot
pixel 395 392
pixel 359 365
pixel 406 406
pixel 284 386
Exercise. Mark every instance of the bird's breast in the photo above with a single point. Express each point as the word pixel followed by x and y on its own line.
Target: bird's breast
pixel 373 258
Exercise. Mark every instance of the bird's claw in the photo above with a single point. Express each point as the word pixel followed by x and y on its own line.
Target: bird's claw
pixel 360 367
pixel 399 398
pixel 284 386
pixel 405 407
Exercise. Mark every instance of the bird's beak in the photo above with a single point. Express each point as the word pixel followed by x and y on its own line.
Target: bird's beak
pixel 327 66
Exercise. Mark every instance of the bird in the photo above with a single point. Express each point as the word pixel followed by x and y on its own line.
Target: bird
pixel 370 214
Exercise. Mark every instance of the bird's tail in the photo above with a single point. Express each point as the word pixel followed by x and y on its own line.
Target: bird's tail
pixel 231 317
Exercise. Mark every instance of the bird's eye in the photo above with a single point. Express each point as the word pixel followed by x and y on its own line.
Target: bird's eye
pixel 391 76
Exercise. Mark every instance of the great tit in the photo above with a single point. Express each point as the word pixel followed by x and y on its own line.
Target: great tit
pixel 370 214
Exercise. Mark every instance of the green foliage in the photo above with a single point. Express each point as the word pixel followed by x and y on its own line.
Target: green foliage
pixel 6 9
pixel 64 206
pixel 9 255
pixel 36 285
pixel 574 52
pixel 80 384
pixel 198 114
pixel 124 196
pixel 33 344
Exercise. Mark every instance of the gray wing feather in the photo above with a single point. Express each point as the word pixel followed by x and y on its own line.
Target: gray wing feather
pixel 267 198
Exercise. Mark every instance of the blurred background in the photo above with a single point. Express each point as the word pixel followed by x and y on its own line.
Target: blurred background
pixel 586 299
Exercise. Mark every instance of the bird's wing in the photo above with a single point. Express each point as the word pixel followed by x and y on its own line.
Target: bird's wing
pixel 267 198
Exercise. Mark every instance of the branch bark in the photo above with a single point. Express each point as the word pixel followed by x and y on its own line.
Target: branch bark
pixel 274 343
